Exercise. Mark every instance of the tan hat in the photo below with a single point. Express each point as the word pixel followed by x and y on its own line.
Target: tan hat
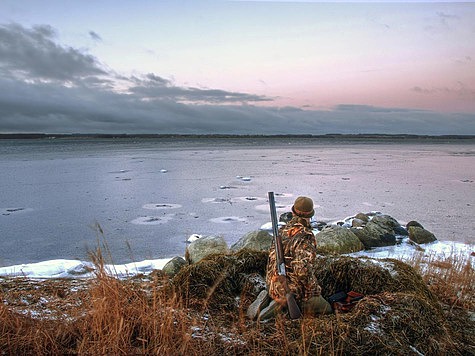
pixel 303 207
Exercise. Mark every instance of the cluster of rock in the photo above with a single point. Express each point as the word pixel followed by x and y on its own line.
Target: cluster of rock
pixel 367 231
pixel 357 233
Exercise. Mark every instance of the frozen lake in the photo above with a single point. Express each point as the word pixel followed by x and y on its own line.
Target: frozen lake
pixel 150 195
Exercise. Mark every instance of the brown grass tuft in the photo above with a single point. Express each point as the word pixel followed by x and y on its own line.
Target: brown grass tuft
pixel 407 310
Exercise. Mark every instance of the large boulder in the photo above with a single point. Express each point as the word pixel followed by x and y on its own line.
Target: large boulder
pixel 173 266
pixel 337 240
pixel 386 222
pixel 378 232
pixel 420 235
pixel 205 246
pixel 362 216
pixel 259 240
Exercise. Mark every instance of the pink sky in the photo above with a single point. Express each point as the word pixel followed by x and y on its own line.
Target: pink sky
pixel 308 55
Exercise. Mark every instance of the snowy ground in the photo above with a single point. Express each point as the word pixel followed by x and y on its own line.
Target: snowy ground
pixel 62 268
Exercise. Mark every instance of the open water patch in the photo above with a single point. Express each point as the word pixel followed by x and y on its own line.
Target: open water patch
pixel 216 200
pixel 227 219
pixel 248 199
pixel 231 200
pixel 11 211
pixel 160 206
pixel 152 220
pixel 120 171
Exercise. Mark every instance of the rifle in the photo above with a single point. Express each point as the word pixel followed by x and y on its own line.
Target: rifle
pixel 294 310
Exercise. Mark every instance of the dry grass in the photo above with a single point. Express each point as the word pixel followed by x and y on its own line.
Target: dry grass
pixel 202 312
pixel 451 278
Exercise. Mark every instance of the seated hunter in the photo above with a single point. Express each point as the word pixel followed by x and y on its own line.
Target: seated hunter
pixel 299 249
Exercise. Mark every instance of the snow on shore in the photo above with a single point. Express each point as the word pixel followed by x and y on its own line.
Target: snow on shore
pixel 62 268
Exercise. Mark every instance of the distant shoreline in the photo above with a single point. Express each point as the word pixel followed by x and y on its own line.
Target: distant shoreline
pixel 356 137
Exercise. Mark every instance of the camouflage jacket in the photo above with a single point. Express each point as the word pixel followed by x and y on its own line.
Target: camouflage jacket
pixel 299 247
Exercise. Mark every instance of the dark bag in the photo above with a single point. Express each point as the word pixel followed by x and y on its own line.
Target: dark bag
pixel 344 302
pixel 337 297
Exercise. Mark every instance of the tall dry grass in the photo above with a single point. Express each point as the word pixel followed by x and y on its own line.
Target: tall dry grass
pixel 451 278
pixel 139 316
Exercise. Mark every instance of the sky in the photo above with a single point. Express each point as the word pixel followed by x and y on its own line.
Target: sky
pixel 237 67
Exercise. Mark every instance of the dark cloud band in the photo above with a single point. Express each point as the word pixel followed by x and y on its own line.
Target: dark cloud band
pixel 47 87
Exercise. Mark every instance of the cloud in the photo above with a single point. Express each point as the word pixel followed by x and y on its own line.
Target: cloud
pixel 54 109
pixel 369 109
pixel 157 88
pixel 446 17
pixel 47 87
pixel 459 89
pixel 33 54
pixel 467 60
pixel 95 36
pixel 442 22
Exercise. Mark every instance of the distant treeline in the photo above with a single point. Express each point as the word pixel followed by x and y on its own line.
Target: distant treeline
pixel 31 136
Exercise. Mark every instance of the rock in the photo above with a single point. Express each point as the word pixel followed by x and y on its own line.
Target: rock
pixel 270 311
pixel 318 225
pixel 373 236
pixel 173 266
pixel 378 232
pixel 205 246
pixel 259 240
pixel 400 230
pixel 386 222
pixel 285 217
pixel 362 217
pixel 420 235
pixel 194 237
pixel 413 223
pixel 261 302
pixel 337 240
pixel 358 223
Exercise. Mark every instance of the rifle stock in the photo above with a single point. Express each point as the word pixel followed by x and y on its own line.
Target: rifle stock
pixel 294 310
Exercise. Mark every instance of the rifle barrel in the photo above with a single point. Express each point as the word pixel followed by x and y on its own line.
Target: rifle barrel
pixel 294 310
pixel 275 230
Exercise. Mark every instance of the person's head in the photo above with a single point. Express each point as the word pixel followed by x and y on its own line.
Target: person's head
pixel 303 207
